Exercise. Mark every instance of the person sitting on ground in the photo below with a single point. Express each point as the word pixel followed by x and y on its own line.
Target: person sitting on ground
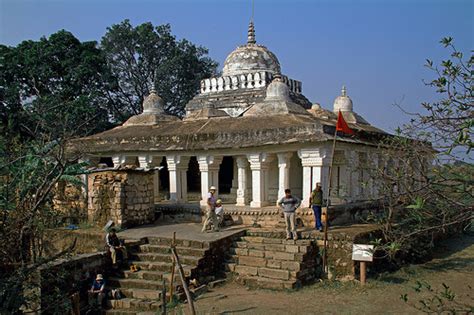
pixel 289 204
pixel 211 211
pixel 115 245
pixel 220 212
pixel 97 291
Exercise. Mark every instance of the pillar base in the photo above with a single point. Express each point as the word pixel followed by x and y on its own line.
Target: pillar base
pixel 258 204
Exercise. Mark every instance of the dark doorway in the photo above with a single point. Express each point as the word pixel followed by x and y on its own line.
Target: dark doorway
pixel 226 175
pixel 164 176
pixel 107 161
pixel 193 175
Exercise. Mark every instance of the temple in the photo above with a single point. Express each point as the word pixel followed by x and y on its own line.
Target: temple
pixel 251 133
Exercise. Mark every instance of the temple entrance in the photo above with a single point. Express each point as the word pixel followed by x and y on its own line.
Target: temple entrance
pixel 164 175
pixel 193 177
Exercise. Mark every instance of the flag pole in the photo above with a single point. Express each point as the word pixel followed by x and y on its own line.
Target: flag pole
pixel 326 221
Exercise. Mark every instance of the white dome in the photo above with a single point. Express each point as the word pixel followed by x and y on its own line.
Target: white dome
pixel 278 90
pixel 250 58
pixel 343 103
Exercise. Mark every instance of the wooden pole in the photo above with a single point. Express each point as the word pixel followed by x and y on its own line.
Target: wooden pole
pixel 363 270
pixel 183 280
pixel 326 217
pixel 173 267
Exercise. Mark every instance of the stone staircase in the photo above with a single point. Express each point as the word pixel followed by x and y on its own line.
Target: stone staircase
pixel 142 290
pixel 267 260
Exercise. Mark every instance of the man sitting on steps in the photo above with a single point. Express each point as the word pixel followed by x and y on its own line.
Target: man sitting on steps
pixel 115 245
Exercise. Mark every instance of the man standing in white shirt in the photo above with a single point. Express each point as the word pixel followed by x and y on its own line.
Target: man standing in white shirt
pixel 211 211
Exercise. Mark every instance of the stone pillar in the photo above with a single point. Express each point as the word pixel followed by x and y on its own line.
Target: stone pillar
pixel 177 167
pixel 354 178
pixel 235 182
pixel 374 168
pixel 259 168
pixel 147 162
pixel 283 173
pixel 242 197
pixel 121 159
pixel 209 167
pixel 315 164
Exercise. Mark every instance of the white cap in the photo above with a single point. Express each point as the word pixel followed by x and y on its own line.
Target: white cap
pixel 213 188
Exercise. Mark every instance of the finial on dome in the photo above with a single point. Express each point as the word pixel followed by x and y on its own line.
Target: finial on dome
pixel 344 91
pixel 251 34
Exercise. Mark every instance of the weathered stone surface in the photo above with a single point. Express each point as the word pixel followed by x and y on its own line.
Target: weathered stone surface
pixel 246 270
pixel 274 273
pixel 252 261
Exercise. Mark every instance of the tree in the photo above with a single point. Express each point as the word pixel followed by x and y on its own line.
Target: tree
pixel 145 56
pixel 54 86
pixel 427 189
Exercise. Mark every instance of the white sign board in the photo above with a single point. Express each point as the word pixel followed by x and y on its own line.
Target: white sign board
pixel 362 252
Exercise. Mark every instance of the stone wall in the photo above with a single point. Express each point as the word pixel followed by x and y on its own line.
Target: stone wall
pixel 50 290
pixel 124 196
pixel 70 201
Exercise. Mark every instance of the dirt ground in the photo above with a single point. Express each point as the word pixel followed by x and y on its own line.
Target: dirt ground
pixel 453 265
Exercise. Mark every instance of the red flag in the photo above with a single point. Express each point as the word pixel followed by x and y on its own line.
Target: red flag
pixel 341 125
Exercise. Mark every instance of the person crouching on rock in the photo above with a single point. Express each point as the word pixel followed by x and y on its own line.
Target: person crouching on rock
pixel 115 245
pixel 289 204
pixel 211 211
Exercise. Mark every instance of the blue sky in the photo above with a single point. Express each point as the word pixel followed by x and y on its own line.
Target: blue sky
pixel 376 48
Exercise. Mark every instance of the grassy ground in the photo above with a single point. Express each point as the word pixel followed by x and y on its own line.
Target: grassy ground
pixel 453 265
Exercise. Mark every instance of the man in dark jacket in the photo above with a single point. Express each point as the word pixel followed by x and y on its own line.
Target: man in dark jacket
pixel 289 204
pixel 316 202
pixel 115 245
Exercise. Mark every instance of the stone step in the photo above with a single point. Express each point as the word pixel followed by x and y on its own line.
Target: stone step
pixel 145 275
pixel 274 240
pixel 267 283
pixel 134 283
pixel 153 257
pixel 160 266
pixel 141 294
pixel 130 304
pixel 127 312
pixel 179 242
pixel 258 249
pixel 256 257
pixel 165 249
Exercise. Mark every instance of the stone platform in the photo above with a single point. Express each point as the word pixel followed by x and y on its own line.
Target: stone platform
pixel 184 231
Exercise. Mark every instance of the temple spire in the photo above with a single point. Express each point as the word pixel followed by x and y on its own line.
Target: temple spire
pixel 251 33
pixel 344 91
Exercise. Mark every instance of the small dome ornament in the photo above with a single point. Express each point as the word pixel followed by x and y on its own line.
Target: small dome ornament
pixel 278 90
pixel 153 103
pixel 343 103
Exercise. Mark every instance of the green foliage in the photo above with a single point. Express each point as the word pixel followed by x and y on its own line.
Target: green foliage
pixel 56 86
pixel 437 300
pixel 146 56
pixel 427 192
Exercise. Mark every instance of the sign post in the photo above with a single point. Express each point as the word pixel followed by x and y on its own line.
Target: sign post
pixel 363 254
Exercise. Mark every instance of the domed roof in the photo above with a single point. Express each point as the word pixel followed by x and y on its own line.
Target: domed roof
pixel 278 90
pixel 153 104
pixel 250 58
pixel 343 103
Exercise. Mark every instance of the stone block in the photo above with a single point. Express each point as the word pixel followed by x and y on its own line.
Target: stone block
pixel 272 241
pixel 252 261
pixel 290 265
pixel 292 248
pixel 246 270
pixel 271 263
pixel 275 247
pixel 283 256
pixel 258 246
pixel 256 253
pixel 242 251
pixel 274 273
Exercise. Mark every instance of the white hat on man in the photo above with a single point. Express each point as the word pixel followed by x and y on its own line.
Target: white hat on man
pixel 213 188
